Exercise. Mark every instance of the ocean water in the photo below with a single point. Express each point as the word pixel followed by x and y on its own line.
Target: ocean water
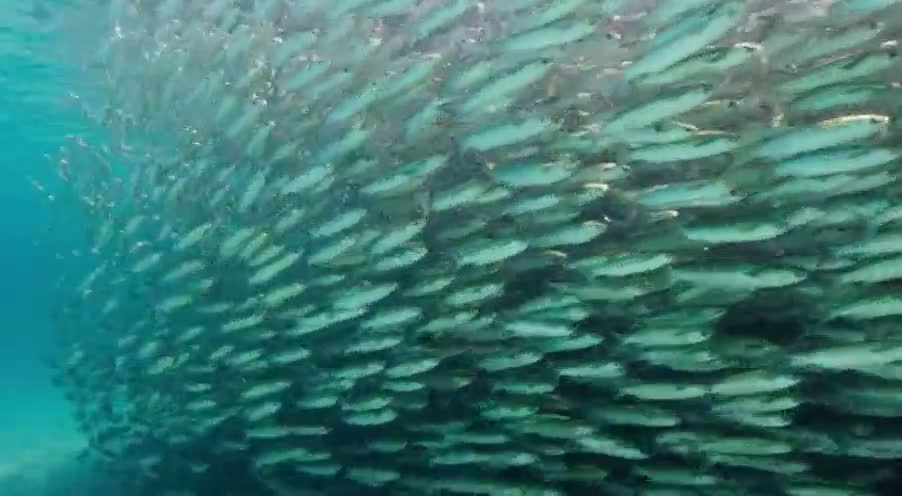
pixel 437 247
pixel 39 441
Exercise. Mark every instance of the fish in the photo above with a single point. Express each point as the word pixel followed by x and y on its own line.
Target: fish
pixel 526 247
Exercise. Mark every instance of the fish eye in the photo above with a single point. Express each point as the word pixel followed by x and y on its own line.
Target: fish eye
pixel 732 103
pixel 609 35
pixel 893 53
pixel 546 61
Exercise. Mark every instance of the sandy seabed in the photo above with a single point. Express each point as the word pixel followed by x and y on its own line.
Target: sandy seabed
pixel 49 469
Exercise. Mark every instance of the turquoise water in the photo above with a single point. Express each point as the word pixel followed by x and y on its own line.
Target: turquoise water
pixel 37 430
pixel 36 425
pixel 552 311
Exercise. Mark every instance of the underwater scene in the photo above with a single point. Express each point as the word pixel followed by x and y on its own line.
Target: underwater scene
pixel 451 247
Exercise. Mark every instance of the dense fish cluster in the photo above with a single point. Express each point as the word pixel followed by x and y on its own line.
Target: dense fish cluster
pixel 518 247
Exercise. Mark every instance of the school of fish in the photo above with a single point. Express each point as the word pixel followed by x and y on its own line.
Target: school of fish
pixel 491 247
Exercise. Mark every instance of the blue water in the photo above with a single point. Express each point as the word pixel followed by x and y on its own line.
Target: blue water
pixel 37 432
pixel 35 421
pixel 42 248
